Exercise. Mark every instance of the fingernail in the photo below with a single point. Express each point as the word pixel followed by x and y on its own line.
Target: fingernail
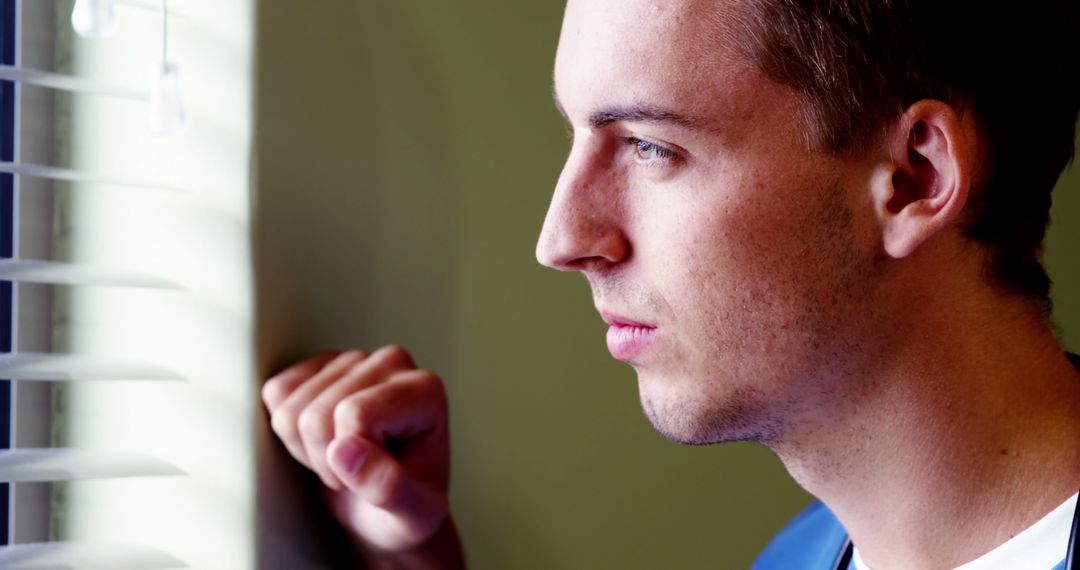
pixel 350 455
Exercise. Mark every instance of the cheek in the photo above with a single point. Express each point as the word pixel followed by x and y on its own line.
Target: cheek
pixel 745 275
pixel 722 281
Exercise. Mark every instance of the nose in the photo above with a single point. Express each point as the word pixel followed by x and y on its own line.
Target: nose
pixel 584 225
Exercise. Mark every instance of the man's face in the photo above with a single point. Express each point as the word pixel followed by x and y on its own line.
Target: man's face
pixel 732 261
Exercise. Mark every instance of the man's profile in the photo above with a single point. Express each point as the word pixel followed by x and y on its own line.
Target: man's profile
pixel 813 225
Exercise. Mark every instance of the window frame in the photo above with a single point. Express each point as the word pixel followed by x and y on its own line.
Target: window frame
pixel 8 29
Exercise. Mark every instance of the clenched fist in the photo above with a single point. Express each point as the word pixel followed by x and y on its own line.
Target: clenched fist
pixel 375 430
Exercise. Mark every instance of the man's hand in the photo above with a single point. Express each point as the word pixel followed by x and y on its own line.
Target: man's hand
pixel 375 430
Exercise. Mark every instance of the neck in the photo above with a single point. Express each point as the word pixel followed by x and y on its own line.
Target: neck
pixel 957 440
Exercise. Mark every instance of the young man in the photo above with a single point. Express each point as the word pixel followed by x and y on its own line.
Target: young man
pixel 815 225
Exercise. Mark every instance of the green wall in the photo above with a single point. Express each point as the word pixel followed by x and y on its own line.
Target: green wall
pixel 1062 259
pixel 406 153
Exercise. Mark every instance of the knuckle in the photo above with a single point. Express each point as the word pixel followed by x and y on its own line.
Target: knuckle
pixel 275 391
pixel 395 355
pixel 347 359
pixel 424 383
pixel 352 360
pixel 314 425
pixel 353 355
pixel 428 379
pixel 283 422
pixel 431 384
pixel 349 416
pixel 271 392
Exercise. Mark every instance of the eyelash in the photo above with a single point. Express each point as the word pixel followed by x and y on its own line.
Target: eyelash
pixel 641 146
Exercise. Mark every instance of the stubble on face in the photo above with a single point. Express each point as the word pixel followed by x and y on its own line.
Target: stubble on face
pixel 735 417
pixel 754 271
pixel 749 390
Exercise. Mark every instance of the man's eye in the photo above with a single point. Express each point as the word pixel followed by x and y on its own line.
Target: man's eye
pixel 646 152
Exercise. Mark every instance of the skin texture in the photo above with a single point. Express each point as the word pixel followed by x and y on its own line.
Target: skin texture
pixel 374 429
pixel 742 248
pixel 825 305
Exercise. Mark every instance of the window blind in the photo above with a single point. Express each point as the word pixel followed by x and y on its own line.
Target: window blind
pixel 133 252
pixel 7 241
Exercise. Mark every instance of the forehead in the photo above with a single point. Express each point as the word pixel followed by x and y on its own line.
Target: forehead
pixel 673 53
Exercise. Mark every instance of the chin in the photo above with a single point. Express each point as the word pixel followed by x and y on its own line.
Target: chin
pixel 696 417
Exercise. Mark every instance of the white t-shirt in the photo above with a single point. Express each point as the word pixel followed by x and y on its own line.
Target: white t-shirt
pixel 1040 546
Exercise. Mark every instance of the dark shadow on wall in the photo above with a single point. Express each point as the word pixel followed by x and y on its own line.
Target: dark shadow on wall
pixel 354 201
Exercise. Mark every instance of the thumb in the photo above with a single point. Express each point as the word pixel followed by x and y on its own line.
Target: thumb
pixel 409 509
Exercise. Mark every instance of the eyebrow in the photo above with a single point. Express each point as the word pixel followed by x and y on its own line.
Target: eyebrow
pixel 642 114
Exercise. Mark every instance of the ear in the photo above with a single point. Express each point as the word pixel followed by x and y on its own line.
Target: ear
pixel 929 171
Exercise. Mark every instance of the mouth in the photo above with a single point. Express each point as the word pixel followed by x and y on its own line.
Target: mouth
pixel 627 338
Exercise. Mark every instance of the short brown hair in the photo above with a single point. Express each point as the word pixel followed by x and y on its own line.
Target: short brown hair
pixel 859 63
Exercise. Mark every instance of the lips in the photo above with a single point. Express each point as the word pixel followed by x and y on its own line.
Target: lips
pixel 627 338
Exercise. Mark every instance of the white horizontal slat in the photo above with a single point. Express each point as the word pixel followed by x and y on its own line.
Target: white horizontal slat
pixel 78 367
pixel 85 555
pixel 64 273
pixel 69 464
pixel 68 83
pixel 70 175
